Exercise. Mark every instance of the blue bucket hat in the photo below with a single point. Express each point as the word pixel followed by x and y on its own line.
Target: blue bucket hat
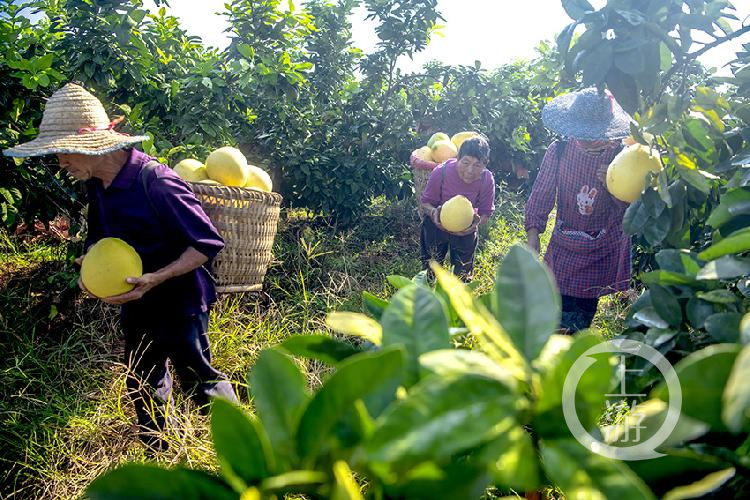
pixel 587 115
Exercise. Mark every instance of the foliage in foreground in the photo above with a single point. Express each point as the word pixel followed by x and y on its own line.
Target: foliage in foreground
pixel 417 418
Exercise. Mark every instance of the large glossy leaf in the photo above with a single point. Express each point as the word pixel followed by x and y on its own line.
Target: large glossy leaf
pixel 373 304
pixel 702 487
pixel 149 482
pixel 553 366
pixel 345 487
pixel 441 416
pixel 279 392
pixel 296 481
pixel 428 480
pixel 580 473
pixel 724 327
pixel 730 201
pixel 320 347
pixel 353 380
pixel 356 325
pixel 513 460
pixel 666 305
pixel 736 410
pixel 703 375
pixel 724 268
pixel 595 63
pixel 416 320
pixel 241 443
pixel 737 242
pixel 482 324
pixel 577 8
pixel 456 362
pixel 525 301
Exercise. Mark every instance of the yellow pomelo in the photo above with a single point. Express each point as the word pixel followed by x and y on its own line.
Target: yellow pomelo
pixel 443 150
pixel 438 136
pixel 626 175
pixel 457 214
pixel 106 265
pixel 423 153
pixel 191 170
pixel 460 137
pixel 259 179
pixel 228 166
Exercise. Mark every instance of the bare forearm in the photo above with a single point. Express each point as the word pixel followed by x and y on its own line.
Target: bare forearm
pixel 189 260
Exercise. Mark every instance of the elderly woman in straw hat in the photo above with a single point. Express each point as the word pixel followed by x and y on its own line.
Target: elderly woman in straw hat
pixel 133 197
pixel 588 252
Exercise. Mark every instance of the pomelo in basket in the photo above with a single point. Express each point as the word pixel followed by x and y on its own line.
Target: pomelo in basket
pixel 443 150
pixel 457 214
pixel 227 166
pixel 460 137
pixel 423 153
pixel 191 170
pixel 438 136
pixel 106 265
pixel 626 175
pixel 259 179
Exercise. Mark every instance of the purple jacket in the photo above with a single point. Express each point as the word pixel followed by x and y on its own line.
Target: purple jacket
pixel 444 183
pixel 160 226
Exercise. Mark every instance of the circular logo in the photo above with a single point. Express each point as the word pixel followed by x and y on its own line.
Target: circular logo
pixel 642 451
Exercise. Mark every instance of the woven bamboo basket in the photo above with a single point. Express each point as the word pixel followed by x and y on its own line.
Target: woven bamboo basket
pixel 247 219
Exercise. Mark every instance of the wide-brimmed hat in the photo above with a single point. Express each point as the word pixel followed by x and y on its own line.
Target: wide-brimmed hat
pixel 74 121
pixel 587 115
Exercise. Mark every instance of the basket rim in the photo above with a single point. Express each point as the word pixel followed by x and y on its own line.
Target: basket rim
pixel 233 191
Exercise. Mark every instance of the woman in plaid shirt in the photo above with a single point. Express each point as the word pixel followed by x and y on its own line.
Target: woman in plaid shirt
pixel 588 252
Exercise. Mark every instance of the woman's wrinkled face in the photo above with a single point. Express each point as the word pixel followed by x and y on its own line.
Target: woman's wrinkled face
pixel 77 165
pixel 470 168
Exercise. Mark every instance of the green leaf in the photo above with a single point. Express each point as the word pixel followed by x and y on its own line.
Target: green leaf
pixel 623 84
pixel 703 375
pixel 577 8
pixel 666 305
pixel 701 488
pixel 439 417
pixel 649 317
pixel 373 304
pixel 356 325
pixel 580 473
pixel 525 301
pixel 737 242
pixel 320 347
pixel 482 324
pixel 698 312
pixel 241 443
pixel 149 482
pixel 736 411
pixel 279 392
pixel 596 63
pixel 345 487
pixel 724 327
pixel 513 460
pixel 724 268
pixel 731 199
pixel 720 296
pixel 553 366
pixel 457 362
pixel 416 320
pixel 296 481
pixel 398 282
pixel 666 278
pixel 354 379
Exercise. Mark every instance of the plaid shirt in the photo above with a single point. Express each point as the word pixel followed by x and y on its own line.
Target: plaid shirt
pixel 589 253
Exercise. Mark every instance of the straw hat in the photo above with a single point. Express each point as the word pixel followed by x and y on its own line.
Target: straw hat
pixel 587 115
pixel 74 121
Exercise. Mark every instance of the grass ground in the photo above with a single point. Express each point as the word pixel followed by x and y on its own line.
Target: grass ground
pixel 64 416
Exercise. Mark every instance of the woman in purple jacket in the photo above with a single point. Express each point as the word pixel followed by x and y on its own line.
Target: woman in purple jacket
pixel 588 252
pixel 467 176
pixel 134 198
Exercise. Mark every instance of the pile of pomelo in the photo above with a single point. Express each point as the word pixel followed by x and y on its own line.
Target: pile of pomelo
pixel 440 147
pixel 227 166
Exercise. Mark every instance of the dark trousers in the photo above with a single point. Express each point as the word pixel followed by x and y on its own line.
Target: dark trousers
pixel 577 313
pixel 436 243
pixel 151 339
